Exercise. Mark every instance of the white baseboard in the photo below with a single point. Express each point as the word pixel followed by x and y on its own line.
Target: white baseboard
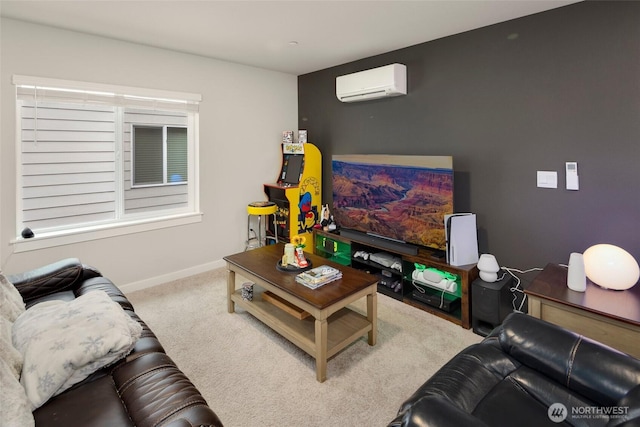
pixel 176 275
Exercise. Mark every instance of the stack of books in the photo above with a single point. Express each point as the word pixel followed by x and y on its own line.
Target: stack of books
pixel 318 276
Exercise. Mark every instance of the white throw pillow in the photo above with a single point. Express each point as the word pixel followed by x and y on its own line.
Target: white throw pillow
pixel 8 353
pixel 11 303
pixel 15 408
pixel 64 342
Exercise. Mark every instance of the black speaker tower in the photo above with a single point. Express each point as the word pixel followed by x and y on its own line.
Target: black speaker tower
pixel 490 304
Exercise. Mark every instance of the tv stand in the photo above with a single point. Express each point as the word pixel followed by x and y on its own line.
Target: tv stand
pixel 346 247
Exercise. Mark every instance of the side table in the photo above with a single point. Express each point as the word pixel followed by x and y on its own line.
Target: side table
pixel 611 317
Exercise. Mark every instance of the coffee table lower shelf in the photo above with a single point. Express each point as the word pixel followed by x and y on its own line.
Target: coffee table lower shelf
pixel 344 326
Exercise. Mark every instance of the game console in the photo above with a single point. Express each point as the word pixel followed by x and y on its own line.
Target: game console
pixel 385 259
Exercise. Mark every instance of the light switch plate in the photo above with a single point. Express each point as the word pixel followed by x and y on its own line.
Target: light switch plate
pixel 548 179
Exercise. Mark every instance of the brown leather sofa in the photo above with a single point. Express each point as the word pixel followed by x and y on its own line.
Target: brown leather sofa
pixel 146 388
pixel 528 372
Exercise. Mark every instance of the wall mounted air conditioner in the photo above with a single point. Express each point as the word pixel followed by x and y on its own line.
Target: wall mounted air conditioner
pixel 390 80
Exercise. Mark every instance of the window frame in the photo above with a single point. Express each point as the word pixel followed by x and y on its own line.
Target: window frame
pixel 124 223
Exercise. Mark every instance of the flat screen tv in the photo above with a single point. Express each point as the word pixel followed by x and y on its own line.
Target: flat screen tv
pixel 402 198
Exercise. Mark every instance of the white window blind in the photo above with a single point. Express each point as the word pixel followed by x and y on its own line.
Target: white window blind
pixel 68 164
pixel 75 157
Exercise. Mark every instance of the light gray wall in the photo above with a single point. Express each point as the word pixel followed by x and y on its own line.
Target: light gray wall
pixel 242 116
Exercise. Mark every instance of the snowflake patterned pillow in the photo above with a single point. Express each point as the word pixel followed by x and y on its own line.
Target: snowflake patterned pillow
pixel 64 342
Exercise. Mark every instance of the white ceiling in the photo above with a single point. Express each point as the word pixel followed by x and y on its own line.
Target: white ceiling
pixel 295 37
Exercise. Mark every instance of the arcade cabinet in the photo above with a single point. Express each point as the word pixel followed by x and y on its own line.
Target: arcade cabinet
pixel 297 192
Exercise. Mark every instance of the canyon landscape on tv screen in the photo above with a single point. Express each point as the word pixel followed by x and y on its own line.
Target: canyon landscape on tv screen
pixel 403 198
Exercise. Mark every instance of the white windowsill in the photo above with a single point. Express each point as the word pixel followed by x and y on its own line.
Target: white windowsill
pixel 102 232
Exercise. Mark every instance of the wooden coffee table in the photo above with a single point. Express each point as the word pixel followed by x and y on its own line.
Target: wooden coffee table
pixel 331 326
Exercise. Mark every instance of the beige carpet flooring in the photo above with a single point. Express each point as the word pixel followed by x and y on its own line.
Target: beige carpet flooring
pixel 252 377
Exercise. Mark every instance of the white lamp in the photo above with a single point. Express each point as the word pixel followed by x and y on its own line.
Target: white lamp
pixel 611 267
pixel 576 278
pixel 488 266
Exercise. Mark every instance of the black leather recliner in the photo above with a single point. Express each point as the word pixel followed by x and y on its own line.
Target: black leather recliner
pixel 528 372
pixel 145 388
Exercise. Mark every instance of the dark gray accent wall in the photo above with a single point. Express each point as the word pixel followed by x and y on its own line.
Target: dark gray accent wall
pixel 506 101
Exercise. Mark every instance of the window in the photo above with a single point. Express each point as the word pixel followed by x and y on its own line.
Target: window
pixel 159 155
pixel 94 155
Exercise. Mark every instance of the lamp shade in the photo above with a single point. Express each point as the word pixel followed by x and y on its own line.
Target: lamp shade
pixel 488 266
pixel 611 267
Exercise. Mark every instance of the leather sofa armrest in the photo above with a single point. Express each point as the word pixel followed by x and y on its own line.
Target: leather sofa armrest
pixel 63 275
pixel 435 411
pixel 155 392
pixel 451 395
pixel 594 370
pixel 89 272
